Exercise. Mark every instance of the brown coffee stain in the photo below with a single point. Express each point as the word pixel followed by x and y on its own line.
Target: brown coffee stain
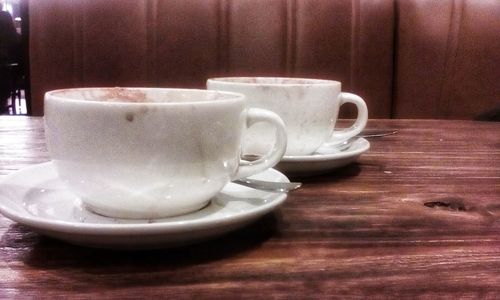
pixel 140 111
pixel 129 116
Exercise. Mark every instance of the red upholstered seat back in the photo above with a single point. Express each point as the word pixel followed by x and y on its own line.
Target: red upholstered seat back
pixel 406 58
pixel 448 58
pixel 179 43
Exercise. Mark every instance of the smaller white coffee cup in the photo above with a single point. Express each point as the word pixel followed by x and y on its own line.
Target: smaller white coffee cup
pixel 309 108
pixel 151 153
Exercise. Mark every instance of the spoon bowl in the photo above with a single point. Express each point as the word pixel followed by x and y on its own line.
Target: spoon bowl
pixel 269 186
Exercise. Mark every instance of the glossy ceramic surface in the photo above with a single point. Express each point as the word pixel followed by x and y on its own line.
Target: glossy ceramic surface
pixel 150 153
pixel 35 197
pixel 309 108
pixel 308 165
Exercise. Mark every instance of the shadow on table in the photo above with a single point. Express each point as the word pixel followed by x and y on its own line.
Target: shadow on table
pixel 70 263
pixel 335 175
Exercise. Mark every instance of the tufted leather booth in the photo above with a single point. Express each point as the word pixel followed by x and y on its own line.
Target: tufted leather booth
pixel 406 58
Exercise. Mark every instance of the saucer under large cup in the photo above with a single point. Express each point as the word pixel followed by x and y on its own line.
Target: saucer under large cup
pixel 315 164
pixel 35 197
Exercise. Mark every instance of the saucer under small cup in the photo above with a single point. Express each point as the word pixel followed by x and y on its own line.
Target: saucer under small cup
pixel 37 198
pixel 316 164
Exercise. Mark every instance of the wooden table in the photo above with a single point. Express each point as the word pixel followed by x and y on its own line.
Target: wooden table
pixel 418 215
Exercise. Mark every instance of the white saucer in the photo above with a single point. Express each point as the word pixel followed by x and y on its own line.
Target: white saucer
pixel 35 197
pixel 315 164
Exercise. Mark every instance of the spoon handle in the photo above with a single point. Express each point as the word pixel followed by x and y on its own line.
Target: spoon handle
pixel 377 133
pixel 270 186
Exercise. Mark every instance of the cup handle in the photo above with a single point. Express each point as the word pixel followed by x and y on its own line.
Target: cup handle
pixel 274 155
pixel 358 125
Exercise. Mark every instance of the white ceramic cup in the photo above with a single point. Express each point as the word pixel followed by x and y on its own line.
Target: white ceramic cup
pixel 151 153
pixel 309 108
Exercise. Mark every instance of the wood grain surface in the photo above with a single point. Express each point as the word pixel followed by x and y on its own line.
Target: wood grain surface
pixel 416 217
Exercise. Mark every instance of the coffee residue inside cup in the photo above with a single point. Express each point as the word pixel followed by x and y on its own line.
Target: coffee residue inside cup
pixel 124 95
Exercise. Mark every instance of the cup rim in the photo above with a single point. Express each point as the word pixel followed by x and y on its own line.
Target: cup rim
pixel 239 80
pixel 232 96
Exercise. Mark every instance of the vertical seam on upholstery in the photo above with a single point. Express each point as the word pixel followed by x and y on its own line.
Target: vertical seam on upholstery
pixel 222 36
pixel 227 44
pixel 443 102
pixel 227 35
pixel 218 36
pixel 284 39
pixel 75 35
pixel 151 40
pixel 291 33
pixel 84 39
pixel 355 15
pixel 453 66
pixel 78 35
pixel 395 49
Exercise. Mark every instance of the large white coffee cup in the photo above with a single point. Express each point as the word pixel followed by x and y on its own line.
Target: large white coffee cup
pixel 309 108
pixel 150 153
